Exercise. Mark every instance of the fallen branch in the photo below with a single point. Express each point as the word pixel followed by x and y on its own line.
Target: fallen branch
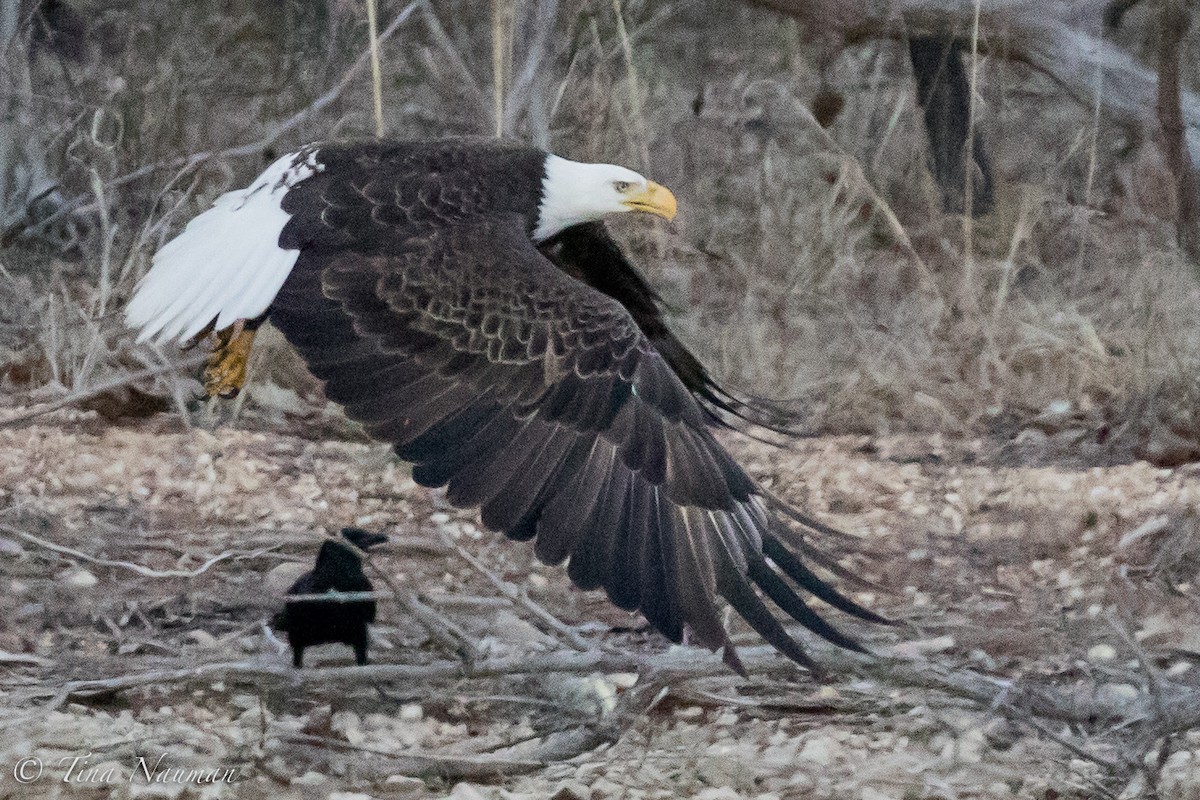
pixel 24 658
pixel 104 562
pixel 438 600
pixel 519 596
pixel 684 661
pixel 84 395
pixel 518 759
pixel 1177 709
pixel 440 628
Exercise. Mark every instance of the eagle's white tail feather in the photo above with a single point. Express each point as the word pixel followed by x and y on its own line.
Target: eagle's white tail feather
pixel 226 264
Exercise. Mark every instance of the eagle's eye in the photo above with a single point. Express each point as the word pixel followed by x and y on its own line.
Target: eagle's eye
pixel 622 186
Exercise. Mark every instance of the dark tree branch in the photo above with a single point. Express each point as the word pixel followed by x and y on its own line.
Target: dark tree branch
pixel 1174 21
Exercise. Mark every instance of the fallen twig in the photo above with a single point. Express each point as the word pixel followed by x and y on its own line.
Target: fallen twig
pixel 519 596
pixel 437 600
pixel 105 562
pixel 24 658
pixel 440 628
pixel 514 760
pixel 1180 705
pixel 84 395
pixel 1063 741
pixel 605 729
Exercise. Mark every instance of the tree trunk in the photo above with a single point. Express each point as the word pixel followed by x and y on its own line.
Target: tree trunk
pixel 26 184
pixel 1062 38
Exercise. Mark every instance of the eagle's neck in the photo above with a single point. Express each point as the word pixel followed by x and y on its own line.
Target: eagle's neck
pixel 566 199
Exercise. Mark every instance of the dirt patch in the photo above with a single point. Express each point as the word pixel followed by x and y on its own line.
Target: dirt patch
pixel 1081 578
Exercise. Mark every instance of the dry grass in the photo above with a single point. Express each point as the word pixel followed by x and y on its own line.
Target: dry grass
pixel 818 255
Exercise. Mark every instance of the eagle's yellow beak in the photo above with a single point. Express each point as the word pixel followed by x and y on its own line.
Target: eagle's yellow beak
pixel 656 199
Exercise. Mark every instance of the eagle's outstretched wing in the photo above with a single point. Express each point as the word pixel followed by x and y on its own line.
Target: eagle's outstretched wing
pixel 539 399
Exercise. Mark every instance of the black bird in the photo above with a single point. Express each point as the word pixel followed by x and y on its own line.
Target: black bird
pixel 312 622
pixel 462 300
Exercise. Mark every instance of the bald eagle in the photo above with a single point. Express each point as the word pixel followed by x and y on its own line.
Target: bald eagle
pixel 463 301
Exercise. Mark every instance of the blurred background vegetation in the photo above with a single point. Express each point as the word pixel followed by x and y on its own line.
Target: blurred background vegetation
pixel 811 260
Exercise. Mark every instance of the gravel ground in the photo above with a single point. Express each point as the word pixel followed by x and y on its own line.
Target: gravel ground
pixel 1080 576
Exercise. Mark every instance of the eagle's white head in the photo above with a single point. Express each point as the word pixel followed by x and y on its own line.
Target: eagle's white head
pixel 573 193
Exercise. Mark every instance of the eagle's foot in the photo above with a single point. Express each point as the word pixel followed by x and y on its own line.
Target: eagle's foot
pixel 225 372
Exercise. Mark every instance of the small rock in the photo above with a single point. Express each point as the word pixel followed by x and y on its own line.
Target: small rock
pixel 466 791
pixel 1102 652
pixel 1030 436
pixel 874 794
pixel 203 638
pixel 604 788
pixel 349 796
pixel 1117 694
pixel 309 778
pixel 803 782
pixel 281 577
pixel 511 629
pixel 10 548
pixel 571 792
pixel 1178 668
pixel 624 680
pixel 717 793
pixel 726 770
pixel 820 751
pixel 827 694
pixel 80 579
pixel 1001 734
pixel 246 701
pixel 349 725
pixel 603 694
pixel 970 746
pixel 402 786
pixel 411 712
pixel 920 647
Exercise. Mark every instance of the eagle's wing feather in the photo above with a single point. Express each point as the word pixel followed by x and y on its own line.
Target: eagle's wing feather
pixel 589 253
pixel 539 399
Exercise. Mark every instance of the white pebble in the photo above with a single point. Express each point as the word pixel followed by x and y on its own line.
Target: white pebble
pixel 80 579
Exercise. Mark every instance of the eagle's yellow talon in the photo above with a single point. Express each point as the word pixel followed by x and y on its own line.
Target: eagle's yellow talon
pixel 225 373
